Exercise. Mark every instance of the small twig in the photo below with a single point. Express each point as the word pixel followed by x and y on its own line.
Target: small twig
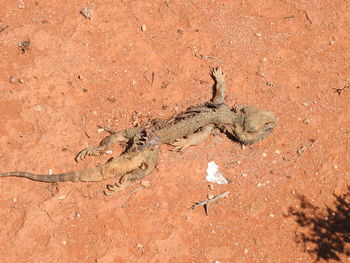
pixel 206 203
pixel 2 29
pixel 340 91
pixel 208 57
pixel 128 196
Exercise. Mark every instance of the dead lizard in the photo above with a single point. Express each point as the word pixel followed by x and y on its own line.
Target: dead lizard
pixel 246 124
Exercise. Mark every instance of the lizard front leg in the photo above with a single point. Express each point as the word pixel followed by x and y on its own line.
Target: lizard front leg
pixel 220 86
pixel 146 167
pixel 109 141
pixel 181 144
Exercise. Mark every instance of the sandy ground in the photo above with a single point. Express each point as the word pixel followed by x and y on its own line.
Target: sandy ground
pixel 287 200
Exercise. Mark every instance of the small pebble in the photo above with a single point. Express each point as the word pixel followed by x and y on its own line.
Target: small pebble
pixel 21 81
pixel 210 196
pixel 335 167
pixel 143 28
pixel 139 245
pixel 64 242
pixel 306 121
pixel 258 34
pixel 12 79
pixel 246 250
pixel 37 108
pixel 21 4
pixel 86 12
pixel 301 150
pixel 264 154
pixel 263 59
pixel 277 152
pixel 145 183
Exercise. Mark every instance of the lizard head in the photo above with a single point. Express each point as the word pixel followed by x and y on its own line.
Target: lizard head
pixel 252 125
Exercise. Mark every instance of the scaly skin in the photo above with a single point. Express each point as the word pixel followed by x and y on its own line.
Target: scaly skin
pixel 246 124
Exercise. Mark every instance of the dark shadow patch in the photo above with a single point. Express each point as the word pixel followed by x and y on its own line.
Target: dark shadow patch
pixel 325 232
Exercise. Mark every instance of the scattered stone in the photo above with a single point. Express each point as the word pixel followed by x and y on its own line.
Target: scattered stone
pixel 246 251
pixel 86 12
pixel 24 45
pixel 21 4
pixel 143 28
pixel 277 152
pixel 305 104
pixel 263 183
pixel 306 121
pixel 264 154
pixel 258 34
pixel 335 167
pixel 12 79
pixel 21 81
pixel 331 42
pixel 301 150
pixel 269 83
pixel 145 183
pixel 263 59
pixel 37 108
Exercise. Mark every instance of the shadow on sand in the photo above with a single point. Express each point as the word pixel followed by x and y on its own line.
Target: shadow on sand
pixel 324 232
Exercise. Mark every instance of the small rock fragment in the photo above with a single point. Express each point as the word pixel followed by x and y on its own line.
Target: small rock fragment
pixel 12 79
pixel 21 4
pixel 301 150
pixel 145 183
pixel 213 174
pixel 258 34
pixel 306 121
pixel 143 28
pixel 86 12
pixel 21 81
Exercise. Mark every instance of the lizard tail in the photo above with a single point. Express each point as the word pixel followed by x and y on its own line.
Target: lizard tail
pixel 53 178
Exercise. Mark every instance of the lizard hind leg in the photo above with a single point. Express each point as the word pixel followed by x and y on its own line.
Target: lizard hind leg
pixel 145 168
pixel 106 143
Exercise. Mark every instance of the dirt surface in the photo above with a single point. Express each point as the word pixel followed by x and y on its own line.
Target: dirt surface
pixel 79 71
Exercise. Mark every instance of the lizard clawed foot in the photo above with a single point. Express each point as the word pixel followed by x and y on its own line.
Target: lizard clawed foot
pixel 218 74
pixel 116 187
pixel 91 151
pixel 180 144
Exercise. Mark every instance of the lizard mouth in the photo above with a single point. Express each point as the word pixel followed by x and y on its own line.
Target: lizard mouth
pixel 247 136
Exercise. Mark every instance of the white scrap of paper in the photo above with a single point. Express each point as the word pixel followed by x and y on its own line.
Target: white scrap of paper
pixel 213 174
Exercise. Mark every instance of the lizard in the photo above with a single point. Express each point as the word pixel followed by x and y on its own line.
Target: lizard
pixel 244 124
